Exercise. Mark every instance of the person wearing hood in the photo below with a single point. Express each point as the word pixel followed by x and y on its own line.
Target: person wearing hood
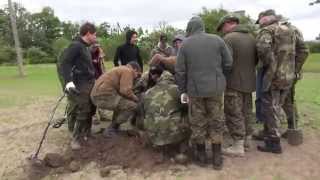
pixel 203 62
pixel 163 48
pixel 240 83
pixel 129 51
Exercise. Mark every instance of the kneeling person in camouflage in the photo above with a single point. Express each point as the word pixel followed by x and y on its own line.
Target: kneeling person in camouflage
pixel 114 91
pixel 165 123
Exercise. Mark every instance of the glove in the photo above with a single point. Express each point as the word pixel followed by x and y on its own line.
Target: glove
pixel 184 98
pixel 71 88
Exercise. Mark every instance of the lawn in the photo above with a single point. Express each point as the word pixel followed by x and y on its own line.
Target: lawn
pixel 42 82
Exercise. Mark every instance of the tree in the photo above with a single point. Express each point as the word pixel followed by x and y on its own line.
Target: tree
pixel 16 40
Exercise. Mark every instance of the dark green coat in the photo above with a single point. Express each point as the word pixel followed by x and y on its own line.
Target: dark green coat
pixel 243 48
pixel 202 61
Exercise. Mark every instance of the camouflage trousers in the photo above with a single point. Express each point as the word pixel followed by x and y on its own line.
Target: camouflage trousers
pixel 80 111
pixel 238 113
pixel 206 119
pixel 123 108
pixel 290 107
pixel 271 108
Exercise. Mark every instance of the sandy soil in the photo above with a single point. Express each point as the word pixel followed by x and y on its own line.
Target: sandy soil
pixel 21 128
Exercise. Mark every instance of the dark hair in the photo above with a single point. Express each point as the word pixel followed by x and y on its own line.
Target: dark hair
pixel 156 69
pixel 163 37
pixel 135 65
pixel 87 27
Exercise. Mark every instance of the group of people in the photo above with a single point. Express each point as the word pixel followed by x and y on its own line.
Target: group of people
pixel 192 92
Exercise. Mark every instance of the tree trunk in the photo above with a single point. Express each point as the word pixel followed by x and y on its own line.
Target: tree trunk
pixel 16 40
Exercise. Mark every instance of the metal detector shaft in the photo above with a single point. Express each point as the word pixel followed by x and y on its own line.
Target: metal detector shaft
pixel 49 123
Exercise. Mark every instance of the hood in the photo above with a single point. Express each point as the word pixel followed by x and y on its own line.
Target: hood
pixel 129 35
pixel 195 25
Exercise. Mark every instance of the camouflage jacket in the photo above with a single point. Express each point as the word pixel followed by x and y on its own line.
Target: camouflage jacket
pixel 163 120
pixel 166 52
pixel 276 52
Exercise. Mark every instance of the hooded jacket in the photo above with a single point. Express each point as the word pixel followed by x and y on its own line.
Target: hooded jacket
pixel 243 48
pixel 128 52
pixel 202 61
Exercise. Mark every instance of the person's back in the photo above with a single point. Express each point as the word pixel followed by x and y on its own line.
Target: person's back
pixel 163 116
pixel 209 57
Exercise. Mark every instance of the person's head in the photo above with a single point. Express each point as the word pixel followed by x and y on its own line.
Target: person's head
pixel 163 39
pixel 88 33
pixel 267 17
pixel 155 72
pixel 228 23
pixel 177 41
pixel 136 68
pixel 195 25
pixel 131 37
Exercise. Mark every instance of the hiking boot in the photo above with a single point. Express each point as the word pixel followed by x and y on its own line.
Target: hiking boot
pixel 247 142
pixel 236 149
pixel 217 159
pixel 272 145
pixel 75 144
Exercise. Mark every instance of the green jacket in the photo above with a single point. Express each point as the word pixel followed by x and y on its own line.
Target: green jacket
pixel 243 48
pixel 202 62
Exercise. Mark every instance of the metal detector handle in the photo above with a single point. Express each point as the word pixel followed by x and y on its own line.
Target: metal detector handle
pixel 49 123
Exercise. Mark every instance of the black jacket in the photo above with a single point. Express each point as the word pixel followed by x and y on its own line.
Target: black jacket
pixel 75 63
pixel 127 52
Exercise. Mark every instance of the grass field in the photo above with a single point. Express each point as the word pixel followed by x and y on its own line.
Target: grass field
pixel 41 82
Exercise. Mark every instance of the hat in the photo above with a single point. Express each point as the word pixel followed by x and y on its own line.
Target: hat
pixel 268 12
pixel 227 18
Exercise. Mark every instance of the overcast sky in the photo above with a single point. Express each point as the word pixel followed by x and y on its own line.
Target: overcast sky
pixel 148 13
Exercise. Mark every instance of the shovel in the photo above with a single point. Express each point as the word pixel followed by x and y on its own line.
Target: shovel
pixel 295 135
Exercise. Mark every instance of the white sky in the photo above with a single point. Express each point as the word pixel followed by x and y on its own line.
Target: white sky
pixel 148 13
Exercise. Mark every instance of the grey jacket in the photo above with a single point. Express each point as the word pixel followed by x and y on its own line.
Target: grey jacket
pixel 202 62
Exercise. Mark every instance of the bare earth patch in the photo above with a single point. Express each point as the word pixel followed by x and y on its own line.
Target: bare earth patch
pixel 125 157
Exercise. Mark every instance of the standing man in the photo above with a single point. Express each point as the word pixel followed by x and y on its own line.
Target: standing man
pixel 276 51
pixel 202 63
pixel 240 83
pixel 79 76
pixel 114 91
pixel 301 56
pixel 163 48
pixel 129 51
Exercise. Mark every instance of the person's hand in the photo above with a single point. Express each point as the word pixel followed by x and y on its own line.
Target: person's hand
pixel 71 88
pixel 184 98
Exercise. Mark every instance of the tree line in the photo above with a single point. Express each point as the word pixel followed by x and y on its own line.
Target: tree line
pixel 43 35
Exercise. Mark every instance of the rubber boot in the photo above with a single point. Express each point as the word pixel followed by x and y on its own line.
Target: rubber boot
pixel 236 149
pixel 217 159
pixel 200 154
pixel 272 145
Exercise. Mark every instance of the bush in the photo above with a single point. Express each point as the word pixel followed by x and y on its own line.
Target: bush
pixel 36 56
pixel 314 46
pixel 59 45
pixel 7 55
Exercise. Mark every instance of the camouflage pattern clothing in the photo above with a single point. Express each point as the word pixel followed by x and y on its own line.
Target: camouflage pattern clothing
pixel 164 121
pixel 123 109
pixel 238 113
pixel 276 51
pixel 206 119
pixel 166 52
pixel 302 53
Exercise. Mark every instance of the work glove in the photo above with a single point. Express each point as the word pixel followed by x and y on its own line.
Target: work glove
pixel 184 98
pixel 71 88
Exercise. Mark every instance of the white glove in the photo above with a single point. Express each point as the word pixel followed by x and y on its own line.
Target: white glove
pixel 70 86
pixel 184 98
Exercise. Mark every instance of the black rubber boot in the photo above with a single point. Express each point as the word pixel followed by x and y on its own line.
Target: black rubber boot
pixel 272 145
pixel 217 159
pixel 201 155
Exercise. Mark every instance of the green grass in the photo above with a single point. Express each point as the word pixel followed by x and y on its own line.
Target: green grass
pixel 42 82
